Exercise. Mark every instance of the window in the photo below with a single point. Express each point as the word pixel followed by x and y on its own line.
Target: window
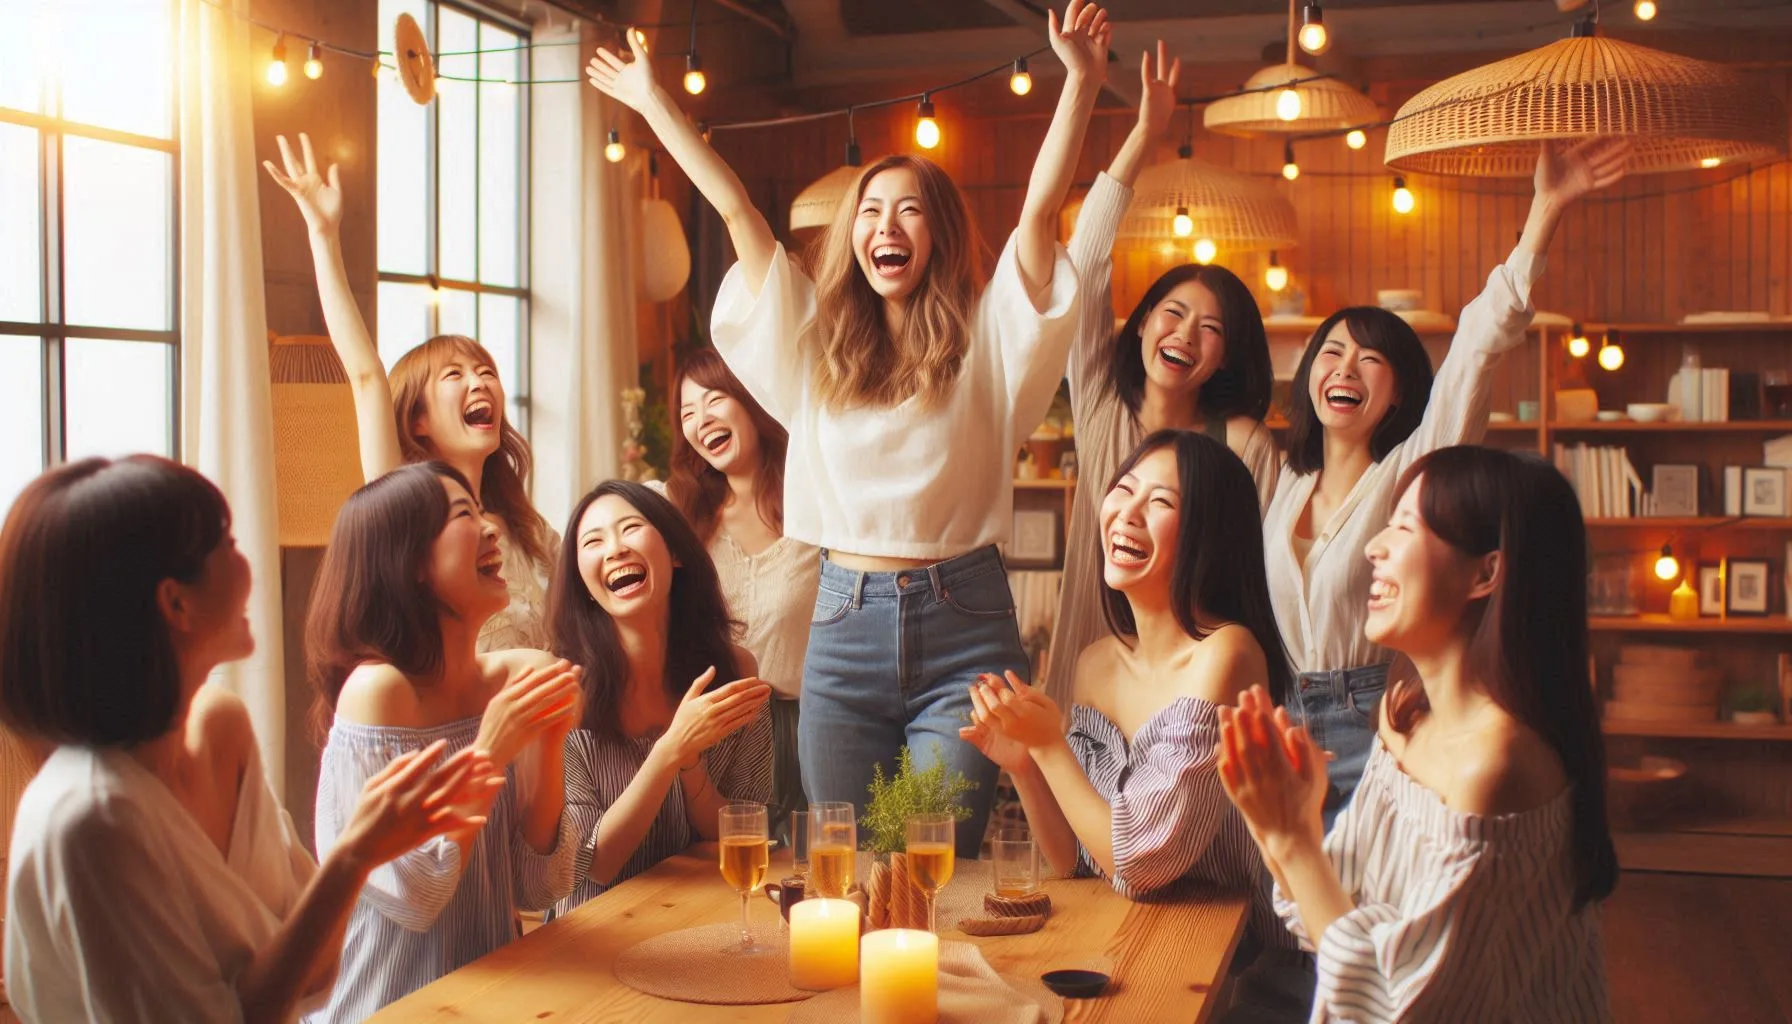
pixel 453 200
pixel 89 338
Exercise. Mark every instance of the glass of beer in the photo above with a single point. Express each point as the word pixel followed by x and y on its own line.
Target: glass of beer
pixel 833 845
pixel 745 856
pixel 932 839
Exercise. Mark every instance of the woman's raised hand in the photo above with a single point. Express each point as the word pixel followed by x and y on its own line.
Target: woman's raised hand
pixel 319 195
pixel 1564 175
pixel 629 83
pixel 544 701
pixel 1018 712
pixel 1272 770
pixel 704 719
pixel 1157 90
pixel 1081 41
pixel 987 737
pixel 414 799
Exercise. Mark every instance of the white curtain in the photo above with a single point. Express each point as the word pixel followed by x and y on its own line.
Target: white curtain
pixel 226 424
pixel 582 277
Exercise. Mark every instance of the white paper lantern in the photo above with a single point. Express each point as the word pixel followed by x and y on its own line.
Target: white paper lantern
pixel 665 256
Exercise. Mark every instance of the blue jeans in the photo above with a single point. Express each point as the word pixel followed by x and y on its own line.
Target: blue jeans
pixel 891 659
pixel 1341 709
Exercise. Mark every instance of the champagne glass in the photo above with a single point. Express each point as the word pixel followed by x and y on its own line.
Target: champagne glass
pixel 932 840
pixel 744 856
pixel 833 845
pixel 799 843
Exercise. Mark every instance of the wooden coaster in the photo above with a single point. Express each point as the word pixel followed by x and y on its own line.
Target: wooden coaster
pixel 1033 904
pixel 1001 925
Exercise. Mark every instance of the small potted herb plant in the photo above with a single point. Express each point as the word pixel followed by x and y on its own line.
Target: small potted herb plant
pixel 892 897
pixel 1752 707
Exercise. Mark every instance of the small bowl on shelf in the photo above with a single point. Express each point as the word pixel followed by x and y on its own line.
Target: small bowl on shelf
pixel 1651 412
pixel 1610 416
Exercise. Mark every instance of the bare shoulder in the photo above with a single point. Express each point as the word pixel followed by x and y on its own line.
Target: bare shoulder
pixel 744 663
pixel 1226 663
pixel 1244 435
pixel 221 720
pixel 379 694
pixel 1512 770
pixel 1095 670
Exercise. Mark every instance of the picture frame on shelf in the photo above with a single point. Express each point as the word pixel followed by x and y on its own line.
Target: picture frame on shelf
pixel 1745 586
pixel 1764 491
pixel 1034 544
pixel 1676 490
pixel 1711 590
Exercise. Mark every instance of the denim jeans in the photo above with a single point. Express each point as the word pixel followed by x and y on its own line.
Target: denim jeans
pixel 1341 709
pixel 891 659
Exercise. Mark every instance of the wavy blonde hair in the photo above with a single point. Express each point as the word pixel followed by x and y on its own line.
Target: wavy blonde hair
pixel 858 361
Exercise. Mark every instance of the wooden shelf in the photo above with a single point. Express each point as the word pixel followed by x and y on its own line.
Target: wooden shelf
pixel 1044 485
pixel 1759 327
pixel 1768 625
pixel 1693 523
pixel 1633 427
pixel 1514 425
pixel 1697 730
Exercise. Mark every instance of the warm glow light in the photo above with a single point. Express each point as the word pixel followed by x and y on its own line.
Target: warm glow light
pixel 1020 81
pixel 314 63
pixel 694 82
pixel 1357 139
pixel 1276 276
pixel 1288 104
pixel 1403 201
pixel 1313 36
pixel 1205 251
pixel 1290 169
pixel 1611 356
pixel 277 64
pixel 1667 567
pixel 1645 10
pixel 927 130
pixel 640 37
pixel 614 150
pixel 1711 161
pixel 381 70
pixel 1579 346
pixel 1182 225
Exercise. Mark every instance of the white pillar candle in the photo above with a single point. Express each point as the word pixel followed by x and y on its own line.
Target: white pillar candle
pixel 899 977
pixel 824 944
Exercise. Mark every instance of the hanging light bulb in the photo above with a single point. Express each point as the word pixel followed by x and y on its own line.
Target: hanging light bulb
pixel 927 130
pixel 1710 162
pixel 694 82
pixel 1667 567
pixel 640 37
pixel 277 64
pixel 314 62
pixel 1645 10
pixel 1611 355
pixel 1578 345
pixel 1288 105
pixel 1290 169
pixel 1313 36
pixel 1020 81
pixel 614 150
pixel 1182 225
pixel 1357 139
pixel 381 70
pixel 1403 201
pixel 1276 276
pixel 1205 251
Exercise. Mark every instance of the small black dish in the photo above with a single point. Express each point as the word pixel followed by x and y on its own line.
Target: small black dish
pixel 1075 984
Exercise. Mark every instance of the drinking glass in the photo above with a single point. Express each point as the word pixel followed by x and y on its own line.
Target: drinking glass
pixel 1016 861
pixel 833 842
pixel 932 840
pixel 799 843
pixel 744 856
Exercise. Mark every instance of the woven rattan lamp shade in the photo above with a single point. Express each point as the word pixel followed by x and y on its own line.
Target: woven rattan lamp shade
pixel 1236 211
pixel 1326 104
pixel 1680 113
pixel 815 206
pixel 317 455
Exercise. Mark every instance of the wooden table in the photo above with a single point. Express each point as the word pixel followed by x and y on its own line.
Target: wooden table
pixel 1167 960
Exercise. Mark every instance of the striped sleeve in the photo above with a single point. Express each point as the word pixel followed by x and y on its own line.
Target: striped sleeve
pixel 539 880
pixel 584 804
pixel 740 766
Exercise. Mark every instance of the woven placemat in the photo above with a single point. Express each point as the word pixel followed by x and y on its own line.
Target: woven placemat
pixel 691 967
pixel 971 992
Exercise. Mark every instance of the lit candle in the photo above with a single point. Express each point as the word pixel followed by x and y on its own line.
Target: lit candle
pixel 1683 603
pixel 899 977
pixel 824 944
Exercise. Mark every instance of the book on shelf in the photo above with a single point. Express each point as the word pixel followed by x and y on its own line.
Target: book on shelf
pixel 1603 479
pixel 1704 394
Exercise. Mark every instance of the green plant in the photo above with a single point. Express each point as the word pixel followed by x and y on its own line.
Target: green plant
pixel 656 423
pixel 1751 699
pixel 895 800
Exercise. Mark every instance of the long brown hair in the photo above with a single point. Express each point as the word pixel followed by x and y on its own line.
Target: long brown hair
pixel 504 485
pixel 1528 638
pixel 369 602
pixel 699 489
pixel 857 360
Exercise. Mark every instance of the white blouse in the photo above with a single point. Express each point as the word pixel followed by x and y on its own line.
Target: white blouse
pixel 1458 917
pixel 1321 600
pixel 122 909
pixel 773 594
pixel 522 622
pixel 910 481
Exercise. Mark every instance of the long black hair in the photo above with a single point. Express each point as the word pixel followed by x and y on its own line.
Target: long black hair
pixel 700 633
pixel 1528 644
pixel 1380 331
pixel 1243 383
pixel 1218 570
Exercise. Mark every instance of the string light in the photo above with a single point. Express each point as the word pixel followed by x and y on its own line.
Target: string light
pixel 1357 139
pixel 1276 275
pixel 614 150
pixel 1290 169
pixel 314 62
pixel 1710 162
pixel 382 71
pixel 1313 36
pixel 1288 105
pixel 1182 225
pixel 1205 251
pixel 1611 354
pixel 1020 82
pixel 1578 345
pixel 1667 567
pixel 1645 11
pixel 694 82
pixel 277 64
pixel 1403 201
pixel 927 130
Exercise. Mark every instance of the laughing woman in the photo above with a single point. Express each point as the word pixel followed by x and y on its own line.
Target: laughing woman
pixel 1362 414
pixel 904 376
pixel 1463 881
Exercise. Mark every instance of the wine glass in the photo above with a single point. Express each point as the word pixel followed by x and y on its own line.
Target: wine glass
pixel 932 840
pixel 744 857
pixel 833 846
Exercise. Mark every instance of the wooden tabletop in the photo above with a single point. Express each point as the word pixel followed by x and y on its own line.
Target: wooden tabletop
pixel 1167 960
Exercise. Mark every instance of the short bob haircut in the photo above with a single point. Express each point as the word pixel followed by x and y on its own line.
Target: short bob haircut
pixel 1242 386
pixel 369 603
pixel 1380 331
pixel 86 656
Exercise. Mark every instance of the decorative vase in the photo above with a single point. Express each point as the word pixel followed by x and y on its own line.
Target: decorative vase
pixel 893 899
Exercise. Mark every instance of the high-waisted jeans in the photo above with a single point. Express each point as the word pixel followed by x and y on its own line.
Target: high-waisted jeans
pixel 891 659
pixel 1341 709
